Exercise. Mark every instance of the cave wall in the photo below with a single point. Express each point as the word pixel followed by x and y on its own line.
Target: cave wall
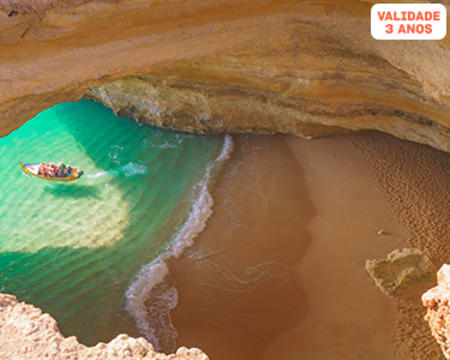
pixel 309 68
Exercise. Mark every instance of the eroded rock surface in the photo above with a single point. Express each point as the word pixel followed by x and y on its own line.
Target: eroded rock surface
pixel 438 309
pixel 400 268
pixel 308 68
pixel 27 333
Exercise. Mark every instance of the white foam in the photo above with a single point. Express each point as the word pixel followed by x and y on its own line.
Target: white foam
pixel 153 274
pixel 97 175
pixel 133 168
pixel 129 169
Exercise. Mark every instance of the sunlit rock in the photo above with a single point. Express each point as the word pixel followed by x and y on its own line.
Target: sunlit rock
pixel 27 333
pixel 438 309
pixel 400 268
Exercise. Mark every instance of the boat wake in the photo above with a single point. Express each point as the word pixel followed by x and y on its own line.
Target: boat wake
pixel 149 299
pixel 96 175
pixel 129 169
pixel 61 242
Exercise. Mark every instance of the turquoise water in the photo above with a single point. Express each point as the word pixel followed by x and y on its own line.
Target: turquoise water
pixel 74 249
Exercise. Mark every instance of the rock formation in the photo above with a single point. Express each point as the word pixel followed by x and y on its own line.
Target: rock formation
pixel 308 68
pixel 27 333
pixel 438 309
pixel 400 268
pixel 301 67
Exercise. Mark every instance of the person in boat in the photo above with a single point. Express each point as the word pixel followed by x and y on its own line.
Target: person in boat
pixel 51 170
pixel 62 170
pixel 58 170
pixel 43 169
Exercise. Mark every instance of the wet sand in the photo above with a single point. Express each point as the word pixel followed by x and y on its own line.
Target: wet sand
pixel 238 284
pixel 278 273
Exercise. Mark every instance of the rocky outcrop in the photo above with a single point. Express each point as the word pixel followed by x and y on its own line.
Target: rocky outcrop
pixel 27 333
pixel 438 309
pixel 300 67
pixel 400 268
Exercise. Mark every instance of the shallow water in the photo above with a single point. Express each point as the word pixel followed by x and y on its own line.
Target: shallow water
pixel 74 249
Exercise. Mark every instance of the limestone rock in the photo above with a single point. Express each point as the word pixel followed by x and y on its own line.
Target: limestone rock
pixel 438 309
pixel 309 68
pixel 400 268
pixel 27 333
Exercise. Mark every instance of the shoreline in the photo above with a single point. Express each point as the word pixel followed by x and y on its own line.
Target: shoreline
pixel 278 272
pixel 279 269
pixel 148 285
pixel 228 284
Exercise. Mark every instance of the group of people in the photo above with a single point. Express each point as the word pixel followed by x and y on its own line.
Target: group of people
pixel 52 170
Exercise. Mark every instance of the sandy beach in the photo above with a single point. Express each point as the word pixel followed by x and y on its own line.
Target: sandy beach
pixel 278 273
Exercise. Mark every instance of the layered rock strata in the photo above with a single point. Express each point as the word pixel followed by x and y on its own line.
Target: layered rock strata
pixel 308 68
pixel 27 333
pixel 438 310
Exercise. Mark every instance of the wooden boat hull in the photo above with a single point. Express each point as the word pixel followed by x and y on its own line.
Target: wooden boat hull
pixel 32 169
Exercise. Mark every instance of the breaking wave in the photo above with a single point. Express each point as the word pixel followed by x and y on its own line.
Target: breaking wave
pixel 148 299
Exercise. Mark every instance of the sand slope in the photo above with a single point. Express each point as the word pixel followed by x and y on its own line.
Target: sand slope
pixel 279 271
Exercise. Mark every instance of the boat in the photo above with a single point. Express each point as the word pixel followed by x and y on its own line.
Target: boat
pixel 33 170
